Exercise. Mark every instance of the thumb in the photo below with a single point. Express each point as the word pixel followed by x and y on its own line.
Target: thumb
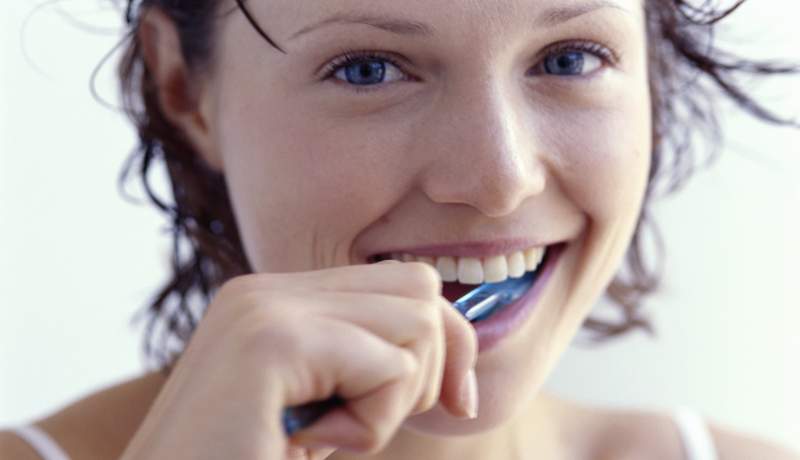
pixel 305 453
pixel 321 453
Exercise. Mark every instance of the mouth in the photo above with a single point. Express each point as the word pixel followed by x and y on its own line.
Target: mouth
pixel 460 275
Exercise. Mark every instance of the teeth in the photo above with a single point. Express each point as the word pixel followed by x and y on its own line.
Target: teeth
pixel 533 257
pixel 447 268
pixel 516 265
pixel 495 269
pixel 472 270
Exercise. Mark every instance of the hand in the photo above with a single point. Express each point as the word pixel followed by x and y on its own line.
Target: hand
pixel 380 336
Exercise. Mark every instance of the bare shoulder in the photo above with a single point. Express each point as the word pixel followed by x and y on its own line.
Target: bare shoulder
pixel 639 434
pixel 735 445
pixel 12 446
pixel 98 425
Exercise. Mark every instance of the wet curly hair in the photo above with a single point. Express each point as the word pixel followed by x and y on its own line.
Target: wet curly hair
pixel 687 73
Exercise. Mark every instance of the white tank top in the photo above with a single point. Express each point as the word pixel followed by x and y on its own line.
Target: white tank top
pixel 697 441
pixel 41 442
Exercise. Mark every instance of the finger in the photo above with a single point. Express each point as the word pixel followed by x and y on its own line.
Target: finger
pixel 372 375
pixel 364 425
pixel 297 453
pixel 419 396
pixel 337 358
pixel 322 453
pixel 375 405
pixel 311 451
pixel 308 453
pixel 399 320
pixel 461 356
pixel 432 385
pixel 405 279
pixel 414 324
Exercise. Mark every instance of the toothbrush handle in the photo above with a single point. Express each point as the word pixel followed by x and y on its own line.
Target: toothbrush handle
pixel 296 418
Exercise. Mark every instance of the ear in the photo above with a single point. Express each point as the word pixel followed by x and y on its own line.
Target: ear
pixel 185 99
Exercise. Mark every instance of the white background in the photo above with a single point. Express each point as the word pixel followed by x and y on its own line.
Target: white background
pixel 76 260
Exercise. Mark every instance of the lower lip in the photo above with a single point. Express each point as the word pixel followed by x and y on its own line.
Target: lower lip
pixel 493 329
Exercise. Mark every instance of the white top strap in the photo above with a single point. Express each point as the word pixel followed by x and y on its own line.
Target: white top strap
pixel 697 441
pixel 41 442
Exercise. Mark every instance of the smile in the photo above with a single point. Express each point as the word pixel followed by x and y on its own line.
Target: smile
pixel 474 270
pixel 463 274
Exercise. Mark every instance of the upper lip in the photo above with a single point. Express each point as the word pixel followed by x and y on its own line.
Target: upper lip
pixel 470 248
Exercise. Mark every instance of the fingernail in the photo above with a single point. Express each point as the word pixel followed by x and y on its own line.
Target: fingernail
pixel 388 261
pixel 469 395
pixel 298 452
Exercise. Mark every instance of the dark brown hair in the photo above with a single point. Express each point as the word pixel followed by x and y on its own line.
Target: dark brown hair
pixel 686 70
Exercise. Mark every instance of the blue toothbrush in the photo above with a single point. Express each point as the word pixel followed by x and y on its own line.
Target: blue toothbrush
pixel 478 304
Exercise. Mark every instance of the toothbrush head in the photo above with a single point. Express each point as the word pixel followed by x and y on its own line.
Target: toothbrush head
pixel 482 301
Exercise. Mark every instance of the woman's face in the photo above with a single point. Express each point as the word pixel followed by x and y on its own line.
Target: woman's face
pixel 471 128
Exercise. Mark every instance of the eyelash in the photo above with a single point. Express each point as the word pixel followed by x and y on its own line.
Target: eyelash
pixel 608 55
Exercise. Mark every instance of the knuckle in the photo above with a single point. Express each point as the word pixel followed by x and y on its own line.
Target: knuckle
pixel 429 401
pixel 408 363
pixel 377 436
pixel 425 279
pixel 430 320
pixel 269 333
pixel 372 443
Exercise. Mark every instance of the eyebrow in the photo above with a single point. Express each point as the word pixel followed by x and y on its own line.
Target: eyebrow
pixel 548 18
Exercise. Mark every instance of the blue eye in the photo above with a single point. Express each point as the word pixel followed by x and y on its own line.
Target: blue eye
pixel 361 70
pixel 364 71
pixel 571 63
pixel 572 59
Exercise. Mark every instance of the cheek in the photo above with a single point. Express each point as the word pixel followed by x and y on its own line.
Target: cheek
pixel 303 160
pixel 604 169
pixel 293 170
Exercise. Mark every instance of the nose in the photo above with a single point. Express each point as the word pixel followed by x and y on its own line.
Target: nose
pixel 481 151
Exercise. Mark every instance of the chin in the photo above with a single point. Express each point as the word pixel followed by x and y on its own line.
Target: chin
pixel 439 422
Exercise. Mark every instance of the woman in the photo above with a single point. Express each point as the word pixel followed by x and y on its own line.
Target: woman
pixel 308 142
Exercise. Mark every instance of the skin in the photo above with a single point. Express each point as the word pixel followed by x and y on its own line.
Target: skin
pixel 548 157
pixel 478 143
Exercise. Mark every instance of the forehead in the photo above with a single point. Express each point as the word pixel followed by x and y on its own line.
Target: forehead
pixel 424 18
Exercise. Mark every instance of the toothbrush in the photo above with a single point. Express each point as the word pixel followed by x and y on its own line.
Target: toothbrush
pixel 476 305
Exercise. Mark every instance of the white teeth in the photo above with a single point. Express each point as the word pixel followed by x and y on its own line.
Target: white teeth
pixel 495 269
pixel 447 268
pixel 516 265
pixel 471 270
pixel 533 257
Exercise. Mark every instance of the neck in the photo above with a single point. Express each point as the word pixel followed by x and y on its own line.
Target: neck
pixel 538 432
